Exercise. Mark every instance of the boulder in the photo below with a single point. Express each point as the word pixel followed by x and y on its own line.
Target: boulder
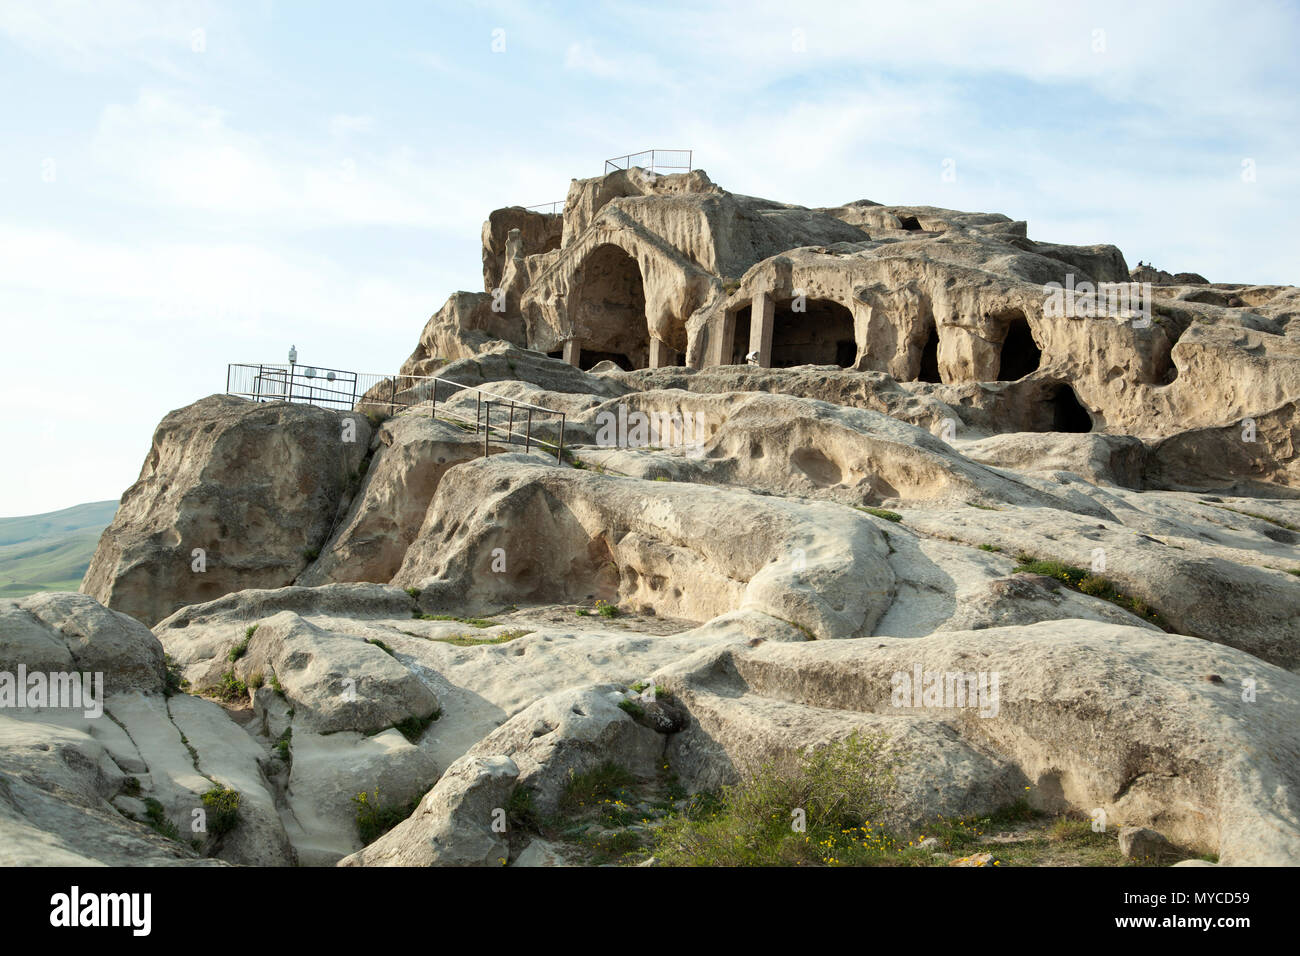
pixel 234 494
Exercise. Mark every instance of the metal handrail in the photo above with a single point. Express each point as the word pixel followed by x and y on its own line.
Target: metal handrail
pixel 282 382
pixel 613 164
pixel 555 207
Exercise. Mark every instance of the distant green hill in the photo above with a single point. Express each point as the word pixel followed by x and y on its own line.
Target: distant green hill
pixel 50 552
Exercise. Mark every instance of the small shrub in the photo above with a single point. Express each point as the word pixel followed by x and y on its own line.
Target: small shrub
pixel 631 708
pixel 989 547
pixel 275 686
pixel 521 811
pixel 173 682
pixel 413 728
pixel 381 645
pixel 256 680
pixel 222 806
pixel 131 786
pixel 231 688
pixel 310 554
pixel 605 609
pixel 373 821
pixel 283 745
pixel 240 649
pixel 414 592
pixel 840 789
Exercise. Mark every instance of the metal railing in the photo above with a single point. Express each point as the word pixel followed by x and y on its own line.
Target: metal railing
pixel 552 208
pixel 335 388
pixel 658 159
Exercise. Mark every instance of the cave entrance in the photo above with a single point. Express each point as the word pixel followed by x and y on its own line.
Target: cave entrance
pixel 740 338
pixel 930 358
pixel 1068 414
pixel 820 335
pixel 588 359
pixel 1020 353
pixel 607 310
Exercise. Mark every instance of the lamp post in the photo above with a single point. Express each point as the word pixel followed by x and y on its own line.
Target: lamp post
pixel 293 360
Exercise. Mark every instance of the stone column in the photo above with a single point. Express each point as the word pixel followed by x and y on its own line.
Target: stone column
pixel 724 339
pixel 762 316
pixel 661 356
pixel 573 351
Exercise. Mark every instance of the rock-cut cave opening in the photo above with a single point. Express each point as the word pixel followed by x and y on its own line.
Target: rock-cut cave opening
pixel 822 334
pixel 1020 353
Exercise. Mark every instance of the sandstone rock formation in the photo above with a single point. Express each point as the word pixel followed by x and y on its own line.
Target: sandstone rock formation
pixel 232 495
pixel 929 471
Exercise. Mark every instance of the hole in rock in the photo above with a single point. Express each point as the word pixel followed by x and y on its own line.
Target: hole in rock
pixel 1067 414
pixel 1020 353
pixel 820 335
pixel 909 222
pixel 930 358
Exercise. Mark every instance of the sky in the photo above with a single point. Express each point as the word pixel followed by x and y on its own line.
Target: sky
pixel 185 184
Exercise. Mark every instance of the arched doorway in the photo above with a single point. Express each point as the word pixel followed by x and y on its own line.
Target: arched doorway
pixel 607 310
pixel 821 334
pixel 1020 353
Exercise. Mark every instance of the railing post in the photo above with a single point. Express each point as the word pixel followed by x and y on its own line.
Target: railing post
pixel 528 431
pixel 510 427
pixel 487 431
pixel 392 395
pixel 478 405
pixel 559 452
pixel 435 399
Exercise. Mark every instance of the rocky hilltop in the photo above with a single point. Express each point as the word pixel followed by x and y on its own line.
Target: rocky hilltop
pixel 883 443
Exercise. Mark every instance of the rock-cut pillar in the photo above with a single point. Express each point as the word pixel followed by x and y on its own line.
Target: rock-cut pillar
pixel 724 339
pixel 661 356
pixel 762 317
pixel 573 351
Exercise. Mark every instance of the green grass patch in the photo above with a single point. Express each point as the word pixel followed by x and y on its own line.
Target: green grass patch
pixel 156 817
pixel 609 781
pixel 1087 583
pixel 880 513
pixel 471 621
pixel 381 645
pixel 468 640
pixel 631 708
pixel 989 547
